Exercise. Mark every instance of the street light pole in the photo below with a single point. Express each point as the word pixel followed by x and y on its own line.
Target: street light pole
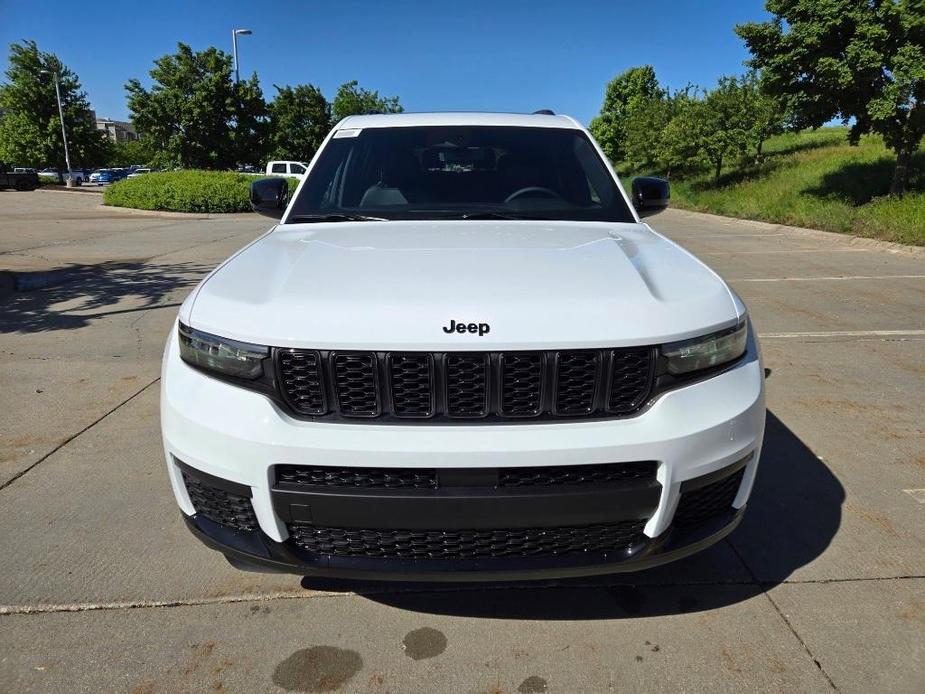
pixel 234 49
pixel 67 156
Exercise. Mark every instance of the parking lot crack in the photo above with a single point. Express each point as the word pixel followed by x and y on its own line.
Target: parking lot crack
pixel 70 438
pixel 783 616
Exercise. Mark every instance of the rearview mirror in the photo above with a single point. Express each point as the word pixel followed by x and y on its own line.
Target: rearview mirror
pixel 650 195
pixel 269 196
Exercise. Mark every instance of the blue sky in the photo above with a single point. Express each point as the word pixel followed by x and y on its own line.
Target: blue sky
pixel 471 55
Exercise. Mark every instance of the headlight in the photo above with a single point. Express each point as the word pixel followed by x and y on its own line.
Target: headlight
pixel 228 357
pixel 710 350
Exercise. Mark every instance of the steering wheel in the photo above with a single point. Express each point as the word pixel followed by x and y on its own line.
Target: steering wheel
pixel 532 189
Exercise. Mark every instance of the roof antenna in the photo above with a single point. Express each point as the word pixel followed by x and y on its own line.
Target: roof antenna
pixel 544 112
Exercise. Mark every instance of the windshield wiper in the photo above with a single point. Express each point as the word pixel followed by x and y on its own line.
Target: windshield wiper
pixel 333 217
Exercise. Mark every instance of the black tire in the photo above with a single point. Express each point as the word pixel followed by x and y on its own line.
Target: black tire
pixel 23 186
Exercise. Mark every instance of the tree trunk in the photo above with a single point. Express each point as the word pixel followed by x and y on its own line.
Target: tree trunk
pixel 758 152
pixel 901 172
pixel 719 169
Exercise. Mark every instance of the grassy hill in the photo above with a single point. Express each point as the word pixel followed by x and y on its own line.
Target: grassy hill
pixel 817 180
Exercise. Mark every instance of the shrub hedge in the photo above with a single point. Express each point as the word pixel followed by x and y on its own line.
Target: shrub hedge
pixel 185 191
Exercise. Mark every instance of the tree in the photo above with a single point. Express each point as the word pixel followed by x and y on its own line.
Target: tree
pixel 194 115
pixel 624 93
pixel 860 60
pixel 643 131
pixel 30 127
pixel 129 152
pixel 651 142
pixel 679 146
pixel 768 113
pixel 300 118
pixel 723 123
pixel 352 99
pixel 250 122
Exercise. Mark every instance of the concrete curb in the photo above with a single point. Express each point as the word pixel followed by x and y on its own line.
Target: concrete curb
pixel 832 236
pixel 71 191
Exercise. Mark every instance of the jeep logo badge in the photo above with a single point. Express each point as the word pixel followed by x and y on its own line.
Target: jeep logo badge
pixel 454 327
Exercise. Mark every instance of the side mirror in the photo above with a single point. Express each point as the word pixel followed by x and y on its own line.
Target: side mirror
pixel 650 195
pixel 269 196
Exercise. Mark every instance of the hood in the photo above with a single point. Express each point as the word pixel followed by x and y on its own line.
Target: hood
pixel 399 284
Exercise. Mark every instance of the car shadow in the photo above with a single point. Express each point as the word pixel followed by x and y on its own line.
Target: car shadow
pixel 792 516
pixel 73 296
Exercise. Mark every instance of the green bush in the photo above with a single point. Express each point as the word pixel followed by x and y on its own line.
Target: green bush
pixel 185 191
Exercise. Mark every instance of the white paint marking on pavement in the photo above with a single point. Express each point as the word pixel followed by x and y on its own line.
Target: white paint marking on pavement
pixel 845 333
pixel 917 494
pixel 828 279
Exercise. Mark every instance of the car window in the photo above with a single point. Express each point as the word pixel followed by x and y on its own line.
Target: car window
pixel 278 168
pixel 296 169
pixel 432 172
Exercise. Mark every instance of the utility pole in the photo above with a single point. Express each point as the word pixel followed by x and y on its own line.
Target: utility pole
pixel 67 156
pixel 234 48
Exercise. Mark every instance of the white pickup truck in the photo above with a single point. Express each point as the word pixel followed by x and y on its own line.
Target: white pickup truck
pixel 461 354
pixel 289 169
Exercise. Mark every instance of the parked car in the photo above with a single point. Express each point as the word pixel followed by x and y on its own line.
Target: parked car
pixel 139 172
pixel 461 354
pixel 289 169
pixel 18 178
pixel 102 176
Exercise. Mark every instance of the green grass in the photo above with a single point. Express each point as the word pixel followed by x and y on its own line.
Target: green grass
pixel 185 191
pixel 817 180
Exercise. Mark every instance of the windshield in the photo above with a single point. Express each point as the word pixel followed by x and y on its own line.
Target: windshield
pixel 440 172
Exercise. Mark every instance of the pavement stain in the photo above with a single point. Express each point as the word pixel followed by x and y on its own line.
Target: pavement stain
pixel 317 669
pixel 874 518
pixel 532 685
pixel 424 643
pixel 200 653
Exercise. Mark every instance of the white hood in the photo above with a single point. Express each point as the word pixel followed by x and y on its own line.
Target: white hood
pixel 395 285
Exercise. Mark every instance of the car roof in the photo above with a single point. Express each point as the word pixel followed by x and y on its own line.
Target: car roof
pixel 397 120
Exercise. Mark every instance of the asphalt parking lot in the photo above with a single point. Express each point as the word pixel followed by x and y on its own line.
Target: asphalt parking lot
pixel 102 588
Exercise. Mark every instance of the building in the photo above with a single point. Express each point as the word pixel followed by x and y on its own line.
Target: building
pixel 117 130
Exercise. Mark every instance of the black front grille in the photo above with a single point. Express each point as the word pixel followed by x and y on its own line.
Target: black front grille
pixel 442 386
pixel 412 379
pixel 576 382
pixel 521 384
pixel 630 380
pixel 356 381
pixel 466 544
pixel 300 370
pixel 432 478
pixel 709 501
pixel 467 385
pixel 220 505
pixel 357 477
pixel 568 475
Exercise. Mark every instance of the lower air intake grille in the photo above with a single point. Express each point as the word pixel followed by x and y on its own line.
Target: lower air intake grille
pixel 556 475
pixel 219 505
pixel 466 544
pixel 357 477
pixel 704 503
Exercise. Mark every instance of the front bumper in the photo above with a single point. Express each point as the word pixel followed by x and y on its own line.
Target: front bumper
pixel 705 431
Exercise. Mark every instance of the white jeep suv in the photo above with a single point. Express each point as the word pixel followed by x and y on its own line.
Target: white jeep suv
pixel 461 355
